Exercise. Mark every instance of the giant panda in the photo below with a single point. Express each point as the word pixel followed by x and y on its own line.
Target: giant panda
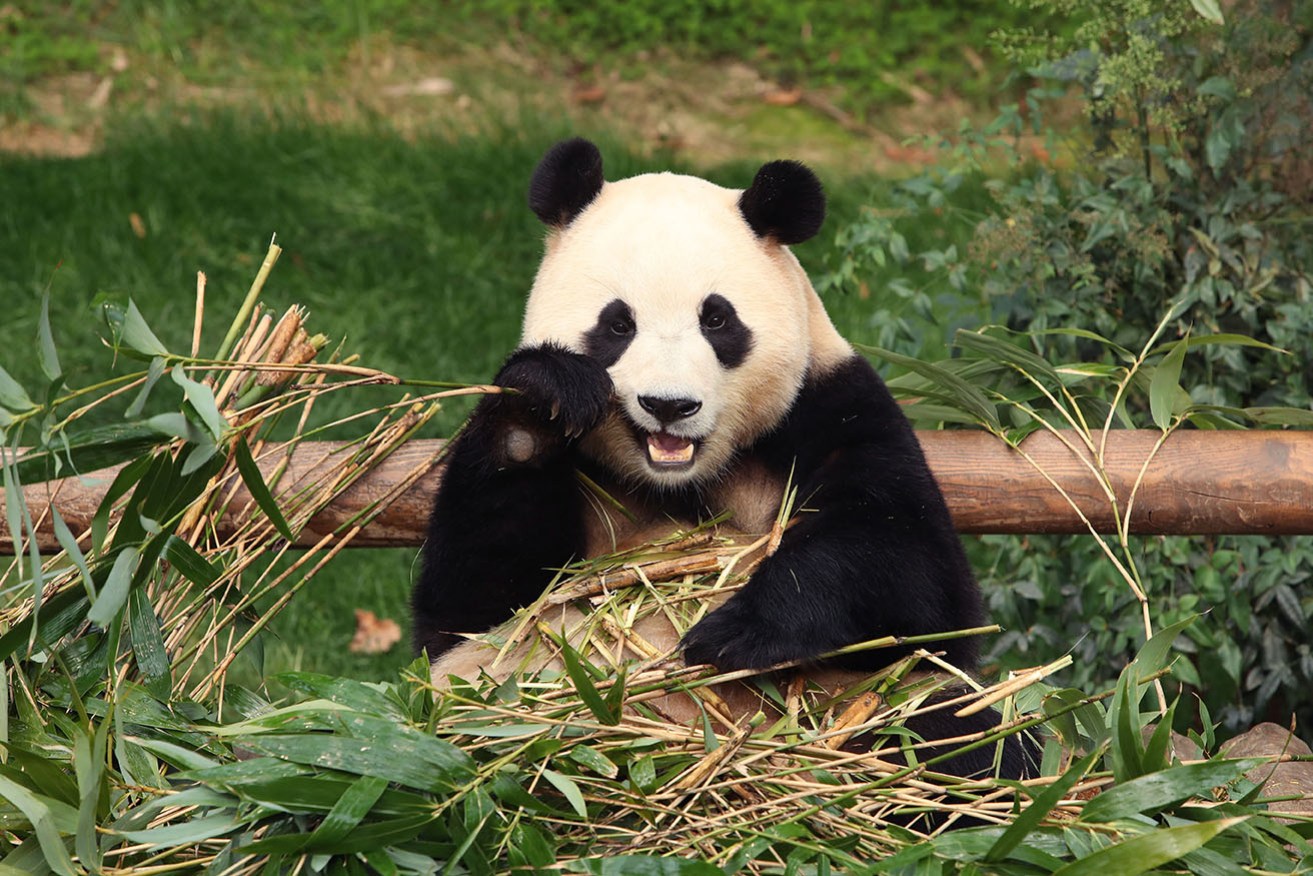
pixel 675 353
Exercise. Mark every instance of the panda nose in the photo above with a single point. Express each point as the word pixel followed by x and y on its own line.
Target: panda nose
pixel 669 410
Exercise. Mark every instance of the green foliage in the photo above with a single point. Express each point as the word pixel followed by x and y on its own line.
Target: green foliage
pixel 1188 185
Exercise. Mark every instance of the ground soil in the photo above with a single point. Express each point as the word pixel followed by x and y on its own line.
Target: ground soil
pixel 709 112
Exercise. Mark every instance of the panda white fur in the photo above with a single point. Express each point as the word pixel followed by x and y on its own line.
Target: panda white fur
pixel 675 352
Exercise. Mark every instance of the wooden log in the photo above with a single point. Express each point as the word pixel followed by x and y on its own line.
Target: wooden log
pixel 1254 482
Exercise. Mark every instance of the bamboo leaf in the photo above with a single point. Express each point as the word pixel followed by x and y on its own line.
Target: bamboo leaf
pixel 1147 851
pixel 587 691
pixel 89 765
pixel 153 374
pixel 646 865
pixel 1221 339
pixel 184 833
pixel 1166 384
pixel 36 809
pixel 137 335
pixel 569 789
pixel 1001 351
pixel 189 562
pixel 254 481
pixel 46 354
pixel 69 543
pixel 12 394
pixel 114 594
pixel 127 477
pixel 88 451
pixel 954 388
pixel 594 760
pixel 351 808
pixel 148 644
pixel 1149 794
pixel 176 425
pixel 1272 416
pixel 1039 807
pixel 201 399
pixel 394 759
pixel 1153 654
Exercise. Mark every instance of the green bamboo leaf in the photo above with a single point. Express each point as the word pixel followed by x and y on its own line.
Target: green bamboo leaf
pixel 189 562
pixel 1220 339
pixel 1147 851
pixel 176 425
pixel 89 765
pixel 368 837
pixel 12 394
pixel 68 542
pixel 201 399
pixel 528 841
pixel 88 451
pixel 254 481
pixel 586 689
pixel 1147 795
pixel 127 477
pixel 1001 351
pixel 176 755
pixel 349 692
pixel 1209 10
pixel 1273 416
pixel 153 374
pixel 1153 654
pixel 37 810
pixel 46 354
pixel 615 697
pixel 148 644
pixel 1165 387
pixel 137 335
pixel 645 865
pixel 594 760
pixel 350 809
pixel 392 759
pixel 1042 805
pixel 1124 721
pixel 185 833
pixel 112 597
pixel 955 390
pixel 569 789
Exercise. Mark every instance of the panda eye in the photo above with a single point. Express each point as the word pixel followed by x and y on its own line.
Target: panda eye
pixel 713 321
pixel 622 327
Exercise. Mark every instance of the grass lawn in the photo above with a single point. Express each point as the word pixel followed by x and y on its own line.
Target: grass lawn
pixel 416 251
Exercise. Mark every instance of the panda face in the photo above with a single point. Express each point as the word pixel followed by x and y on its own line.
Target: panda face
pixel 701 323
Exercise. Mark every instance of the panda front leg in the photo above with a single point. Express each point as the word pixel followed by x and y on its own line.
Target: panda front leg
pixel 508 510
pixel 872 553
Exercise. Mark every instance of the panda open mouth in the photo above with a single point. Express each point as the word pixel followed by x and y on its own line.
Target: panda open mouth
pixel 670 451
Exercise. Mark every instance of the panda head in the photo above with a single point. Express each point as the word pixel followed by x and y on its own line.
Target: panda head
pixel 687 293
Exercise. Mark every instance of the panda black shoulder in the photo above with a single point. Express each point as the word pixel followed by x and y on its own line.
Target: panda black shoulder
pixel 847 403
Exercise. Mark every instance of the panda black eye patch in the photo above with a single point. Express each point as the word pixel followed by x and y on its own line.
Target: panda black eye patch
pixel 610 337
pixel 729 338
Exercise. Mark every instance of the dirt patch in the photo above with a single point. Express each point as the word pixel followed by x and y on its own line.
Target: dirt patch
pixel 710 112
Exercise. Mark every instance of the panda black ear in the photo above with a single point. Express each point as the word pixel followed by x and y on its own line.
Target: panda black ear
pixel 785 202
pixel 565 181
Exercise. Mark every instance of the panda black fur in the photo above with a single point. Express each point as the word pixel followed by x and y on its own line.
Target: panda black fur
pixel 675 352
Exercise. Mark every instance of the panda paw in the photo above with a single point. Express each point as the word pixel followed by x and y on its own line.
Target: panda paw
pixel 559 396
pixel 734 637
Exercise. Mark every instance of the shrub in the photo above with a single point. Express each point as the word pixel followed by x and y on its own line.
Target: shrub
pixel 1188 185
